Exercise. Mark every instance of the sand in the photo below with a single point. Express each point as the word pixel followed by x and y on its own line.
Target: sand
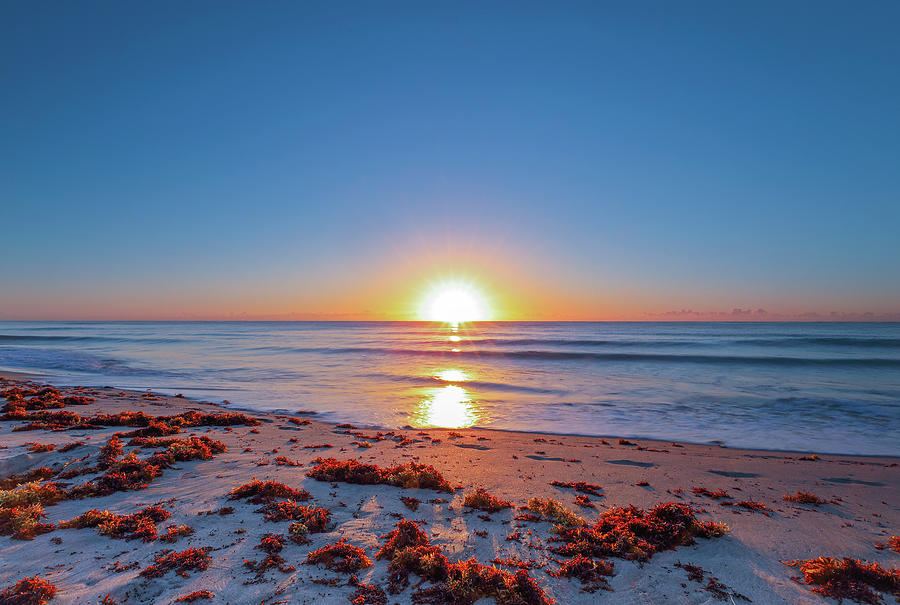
pixel 863 509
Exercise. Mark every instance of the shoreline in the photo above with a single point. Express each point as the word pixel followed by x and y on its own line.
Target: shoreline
pixel 23 375
pixel 861 510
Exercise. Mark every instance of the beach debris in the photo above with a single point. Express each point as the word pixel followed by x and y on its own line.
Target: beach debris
pixel 140 525
pixel 28 591
pixel 719 494
pixel 409 475
pixel 410 502
pixel 590 572
pixel 583 501
pixel 23 522
pixel 802 497
pixel 411 552
pixel 555 512
pixel 480 499
pixel 634 534
pixel 366 594
pixel 848 578
pixel 315 518
pixel 174 532
pixel 195 596
pixel 261 492
pixel 40 448
pixel 191 559
pixel 580 486
pixel 340 556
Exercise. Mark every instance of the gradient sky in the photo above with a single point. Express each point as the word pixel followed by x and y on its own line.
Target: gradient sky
pixel 331 159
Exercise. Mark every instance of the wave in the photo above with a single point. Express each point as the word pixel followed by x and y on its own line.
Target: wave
pixel 35 338
pixel 879 362
pixel 779 341
pixel 432 381
pixel 71 361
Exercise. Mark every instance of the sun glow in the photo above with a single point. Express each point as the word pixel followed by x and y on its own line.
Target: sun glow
pixel 454 303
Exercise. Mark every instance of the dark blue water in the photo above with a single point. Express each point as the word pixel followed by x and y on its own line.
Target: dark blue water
pixel 828 387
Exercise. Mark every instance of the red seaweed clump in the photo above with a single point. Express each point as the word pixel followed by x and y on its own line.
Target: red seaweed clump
pixel 271 544
pixel 126 474
pixel 591 572
pixel 37 474
pixel 183 450
pixel 470 581
pixel 749 505
pixel 804 498
pixel 409 475
pixel 174 532
pixel 191 559
pixel 719 494
pixel 462 583
pixel 110 452
pixel 315 518
pixel 634 534
pixel 23 522
pixel 139 525
pixel 260 492
pixel 28 591
pixel 580 486
pixel 367 594
pixel 41 448
pixel 406 534
pixel 482 500
pixel 195 596
pixel 848 579
pixel 340 556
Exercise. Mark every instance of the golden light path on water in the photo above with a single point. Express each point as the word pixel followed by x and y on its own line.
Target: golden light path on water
pixel 449 406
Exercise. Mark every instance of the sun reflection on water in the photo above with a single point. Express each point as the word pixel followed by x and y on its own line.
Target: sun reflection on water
pixel 448 407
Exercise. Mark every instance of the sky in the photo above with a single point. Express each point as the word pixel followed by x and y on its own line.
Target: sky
pixel 336 160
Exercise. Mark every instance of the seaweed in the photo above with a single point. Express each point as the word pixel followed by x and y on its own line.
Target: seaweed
pixel 590 572
pixel 848 578
pixel 716 495
pixel 482 500
pixel 191 559
pixel 285 461
pixel 340 556
pixel 140 525
pixel 315 518
pixel 469 581
pixel 28 591
pixel 749 505
pixel 555 512
pixel 406 534
pixel 40 448
pixel 583 501
pixel 34 492
pixel 804 498
pixel 580 486
pixel 410 502
pixel 271 544
pixel 269 562
pixel 634 534
pixel 261 492
pixel 23 522
pixel 195 596
pixel 37 474
pixel 126 474
pixel 409 475
pixel 366 594
pixel 183 450
pixel 174 532
pixel 110 452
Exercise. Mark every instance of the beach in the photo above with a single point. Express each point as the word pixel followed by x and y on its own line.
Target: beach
pixel 857 515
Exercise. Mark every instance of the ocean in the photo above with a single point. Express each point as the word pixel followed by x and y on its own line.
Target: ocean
pixel 820 387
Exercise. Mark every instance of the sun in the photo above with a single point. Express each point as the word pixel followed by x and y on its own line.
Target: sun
pixel 454 303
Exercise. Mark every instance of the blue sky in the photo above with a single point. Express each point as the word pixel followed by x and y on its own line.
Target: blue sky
pixel 297 159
